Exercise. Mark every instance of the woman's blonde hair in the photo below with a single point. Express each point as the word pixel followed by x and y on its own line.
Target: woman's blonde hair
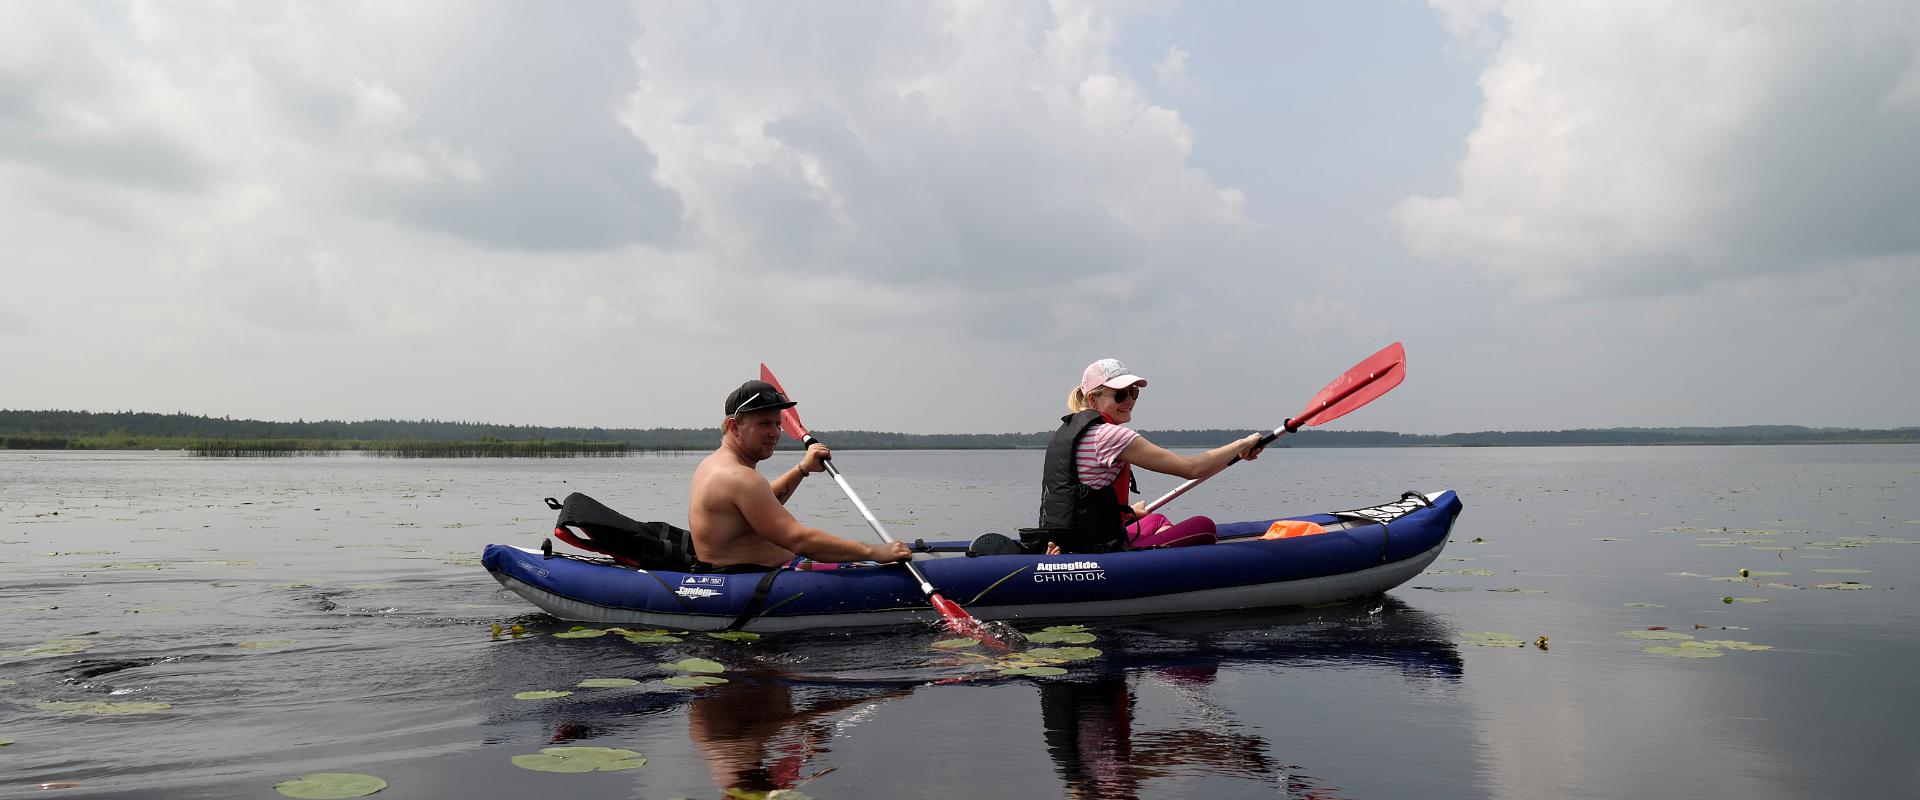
pixel 1077 401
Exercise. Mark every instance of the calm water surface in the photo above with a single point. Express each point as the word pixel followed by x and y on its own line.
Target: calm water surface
pixel 328 614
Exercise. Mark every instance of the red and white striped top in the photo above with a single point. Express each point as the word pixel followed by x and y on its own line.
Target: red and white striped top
pixel 1100 448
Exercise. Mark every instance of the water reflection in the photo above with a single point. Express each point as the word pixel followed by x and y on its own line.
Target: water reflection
pixel 1152 709
pixel 1089 730
pixel 1102 747
pixel 756 736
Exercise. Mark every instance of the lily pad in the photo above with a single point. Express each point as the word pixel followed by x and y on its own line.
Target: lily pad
pixel 1683 651
pixel 102 708
pixel 1842 585
pixel 1743 600
pixel 1037 672
pixel 1446 588
pixel 1512 590
pixel 955 644
pixel 1065 653
pixel 1484 573
pixel 580 759
pixel 1768 573
pixel 1731 644
pixel 695 665
pixel 580 633
pixel 694 681
pixel 62 647
pixel 735 636
pixel 330 785
pixel 1843 571
pixel 1661 636
pixel 264 644
pixel 541 694
pixel 1062 634
pixel 651 638
pixel 607 683
pixel 8 682
pixel 5 742
pixel 1643 605
pixel 1491 639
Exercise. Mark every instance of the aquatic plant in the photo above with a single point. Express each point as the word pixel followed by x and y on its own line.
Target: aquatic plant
pixel 580 759
pixel 330 786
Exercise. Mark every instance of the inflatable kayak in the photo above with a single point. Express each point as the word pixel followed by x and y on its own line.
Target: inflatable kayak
pixel 1361 552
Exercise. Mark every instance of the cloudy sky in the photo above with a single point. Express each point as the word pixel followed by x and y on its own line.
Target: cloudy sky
pixel 929 217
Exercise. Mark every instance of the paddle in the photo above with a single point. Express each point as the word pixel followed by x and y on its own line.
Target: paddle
pixel 958 620
pixel 1360 385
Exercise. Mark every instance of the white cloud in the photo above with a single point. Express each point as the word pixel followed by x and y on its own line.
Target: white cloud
pixel 1631 149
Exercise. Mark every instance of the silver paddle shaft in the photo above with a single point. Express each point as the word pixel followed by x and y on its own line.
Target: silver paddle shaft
pixel 874 522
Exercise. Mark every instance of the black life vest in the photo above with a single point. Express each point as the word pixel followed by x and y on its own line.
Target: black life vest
pixel 1078 517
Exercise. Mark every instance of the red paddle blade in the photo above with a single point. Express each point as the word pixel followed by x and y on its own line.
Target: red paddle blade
pixel 963 623
pixel 1359 386
pixel 789 418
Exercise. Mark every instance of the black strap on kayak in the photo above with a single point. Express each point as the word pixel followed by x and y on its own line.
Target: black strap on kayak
pixel 758 599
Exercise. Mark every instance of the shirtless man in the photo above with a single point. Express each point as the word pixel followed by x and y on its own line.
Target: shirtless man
pixel 739 517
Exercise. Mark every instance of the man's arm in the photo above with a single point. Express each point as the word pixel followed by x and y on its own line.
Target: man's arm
pixel 814 460
pixel 773 522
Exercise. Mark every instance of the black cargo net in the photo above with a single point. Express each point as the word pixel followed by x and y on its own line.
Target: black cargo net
pixel 1383 514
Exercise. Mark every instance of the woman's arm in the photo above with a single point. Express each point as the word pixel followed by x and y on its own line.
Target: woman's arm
pixel 1147 455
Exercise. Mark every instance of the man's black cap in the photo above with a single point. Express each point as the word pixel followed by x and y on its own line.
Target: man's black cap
pixel 756 396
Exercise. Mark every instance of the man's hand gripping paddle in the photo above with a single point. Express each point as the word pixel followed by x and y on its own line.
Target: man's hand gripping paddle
pixel 958 620
pixel 1360 385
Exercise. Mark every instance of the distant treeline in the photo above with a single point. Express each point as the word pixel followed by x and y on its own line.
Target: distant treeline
pixel 58 430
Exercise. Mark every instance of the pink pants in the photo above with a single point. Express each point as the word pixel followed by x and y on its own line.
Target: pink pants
pixel 1190 531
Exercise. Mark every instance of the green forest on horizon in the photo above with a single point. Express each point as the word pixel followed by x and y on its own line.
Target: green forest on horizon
pixel 61 430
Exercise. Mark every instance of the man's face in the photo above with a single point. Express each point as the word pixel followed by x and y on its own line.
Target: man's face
pixel 758 433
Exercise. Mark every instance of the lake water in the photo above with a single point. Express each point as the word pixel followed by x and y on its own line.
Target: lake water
pixel 328 614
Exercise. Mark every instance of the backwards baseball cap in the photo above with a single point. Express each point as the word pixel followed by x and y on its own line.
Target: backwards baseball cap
pixel 1108 372
pixel 756 396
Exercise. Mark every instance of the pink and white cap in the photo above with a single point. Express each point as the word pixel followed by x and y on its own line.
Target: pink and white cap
pixel 1108 372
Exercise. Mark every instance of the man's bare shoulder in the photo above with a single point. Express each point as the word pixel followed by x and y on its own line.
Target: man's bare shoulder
pixel 722 472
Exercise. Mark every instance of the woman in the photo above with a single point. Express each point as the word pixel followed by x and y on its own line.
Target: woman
pixel 1084 491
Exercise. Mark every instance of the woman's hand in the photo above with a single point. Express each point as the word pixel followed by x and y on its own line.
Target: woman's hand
pixel 1253 447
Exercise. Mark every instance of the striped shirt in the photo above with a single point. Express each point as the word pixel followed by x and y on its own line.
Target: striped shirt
pixel 1099 451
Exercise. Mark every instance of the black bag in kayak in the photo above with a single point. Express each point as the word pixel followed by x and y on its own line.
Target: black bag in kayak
pixel 587 524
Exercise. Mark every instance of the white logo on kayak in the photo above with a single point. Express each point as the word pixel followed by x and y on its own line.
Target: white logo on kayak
pixel 695 592
pixel 1069 571
pixel 704 580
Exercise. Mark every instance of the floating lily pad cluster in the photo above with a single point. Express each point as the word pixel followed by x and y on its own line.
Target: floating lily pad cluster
pixel 330 786
pixel 101 707
pixel 580 759
pixel 1492 639
pixel 606 683
pixel 57 647
pixel 579 632
pixel 1038 662
pixel 700 673
pixel 1685 646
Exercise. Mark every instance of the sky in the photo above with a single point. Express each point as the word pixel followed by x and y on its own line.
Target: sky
pixel 930 217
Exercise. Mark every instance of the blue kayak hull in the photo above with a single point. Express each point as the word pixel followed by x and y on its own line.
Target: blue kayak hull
pixel 1364 552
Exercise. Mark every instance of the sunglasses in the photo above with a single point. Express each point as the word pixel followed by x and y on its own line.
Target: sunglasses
pixel 1123 395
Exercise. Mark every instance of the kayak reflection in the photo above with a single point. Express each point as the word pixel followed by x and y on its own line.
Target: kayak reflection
pixel 1105 745
pixel 759 736
pixel 1090 735
pixel 1143 715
